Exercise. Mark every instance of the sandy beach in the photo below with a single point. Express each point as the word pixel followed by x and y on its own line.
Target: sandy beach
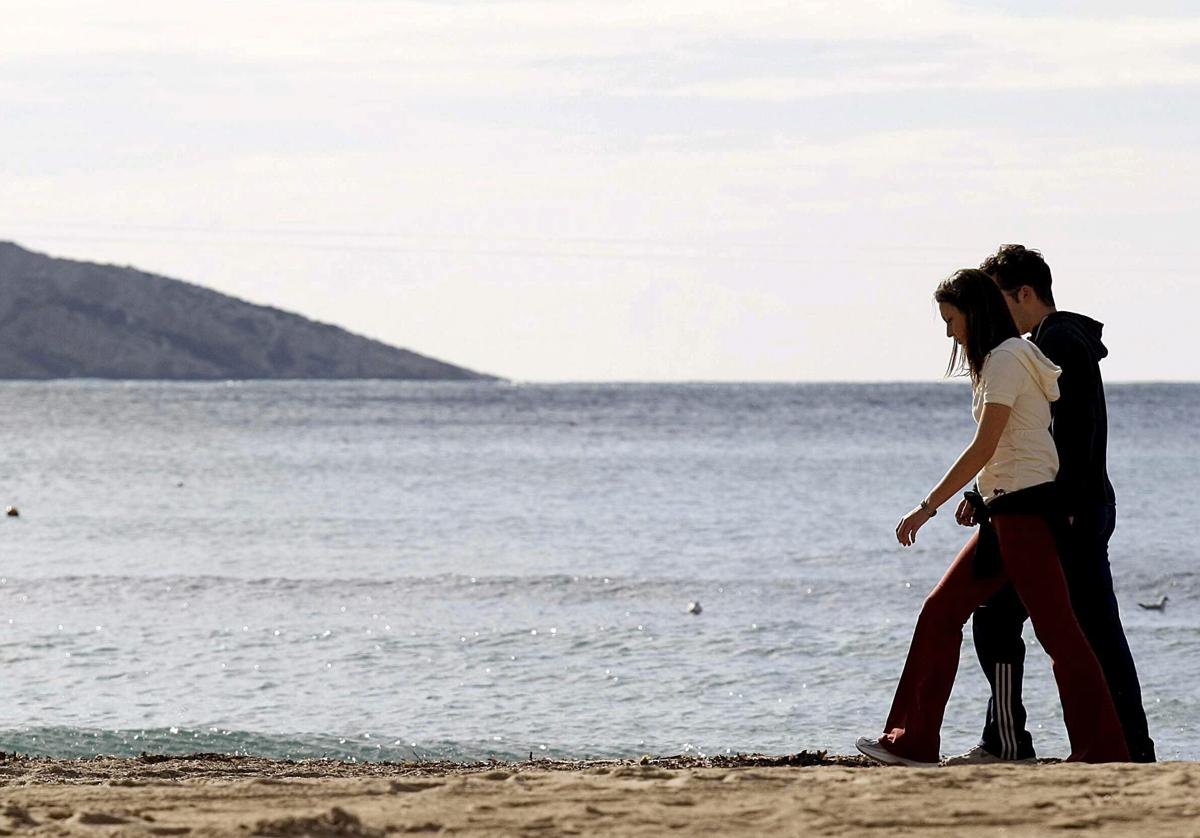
pixel 805 794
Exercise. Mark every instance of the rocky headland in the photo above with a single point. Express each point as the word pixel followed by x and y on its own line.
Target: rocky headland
pixel 61 318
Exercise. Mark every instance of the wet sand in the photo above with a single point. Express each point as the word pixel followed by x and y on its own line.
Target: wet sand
pixel 805 794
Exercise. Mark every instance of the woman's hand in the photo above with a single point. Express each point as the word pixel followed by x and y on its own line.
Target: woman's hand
pixel 978 454
pixel 906 530
pixel 965 515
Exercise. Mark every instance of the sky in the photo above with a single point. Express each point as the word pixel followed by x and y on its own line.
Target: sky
pixel 577 190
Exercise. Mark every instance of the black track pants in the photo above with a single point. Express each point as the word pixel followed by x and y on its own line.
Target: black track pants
pixel 997 626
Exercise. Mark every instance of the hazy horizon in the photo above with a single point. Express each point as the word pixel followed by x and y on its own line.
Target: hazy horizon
pixel 662 191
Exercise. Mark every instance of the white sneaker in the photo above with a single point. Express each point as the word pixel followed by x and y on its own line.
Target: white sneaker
pixel 980 755
pixel 874 749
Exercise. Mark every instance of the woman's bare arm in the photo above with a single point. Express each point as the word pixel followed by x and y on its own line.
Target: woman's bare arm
pixel 976 455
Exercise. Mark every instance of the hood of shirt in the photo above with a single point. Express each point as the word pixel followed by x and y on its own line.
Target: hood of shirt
pixel 1043 370
pixel 1084 329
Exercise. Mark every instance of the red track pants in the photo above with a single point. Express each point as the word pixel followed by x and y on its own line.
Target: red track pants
pixel 1031 563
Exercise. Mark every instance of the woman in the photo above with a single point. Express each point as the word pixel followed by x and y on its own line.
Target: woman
pixel 1014 461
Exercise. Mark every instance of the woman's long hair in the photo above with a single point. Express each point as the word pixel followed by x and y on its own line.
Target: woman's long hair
pixel 989 322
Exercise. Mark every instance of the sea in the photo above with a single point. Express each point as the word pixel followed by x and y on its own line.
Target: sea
pixel 468 571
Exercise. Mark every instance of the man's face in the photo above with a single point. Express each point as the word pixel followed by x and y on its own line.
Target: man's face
pixel 1014 306
pixel 1014 301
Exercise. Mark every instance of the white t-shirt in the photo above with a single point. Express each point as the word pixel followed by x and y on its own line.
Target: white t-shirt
pixel 1017 374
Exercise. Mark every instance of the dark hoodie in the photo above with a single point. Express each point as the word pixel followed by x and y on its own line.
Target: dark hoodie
pixel 1080 423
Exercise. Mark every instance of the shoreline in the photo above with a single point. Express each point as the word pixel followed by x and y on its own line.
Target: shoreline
pixel 809 793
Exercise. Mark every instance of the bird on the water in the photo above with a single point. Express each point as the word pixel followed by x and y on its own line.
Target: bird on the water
pixel 1155 606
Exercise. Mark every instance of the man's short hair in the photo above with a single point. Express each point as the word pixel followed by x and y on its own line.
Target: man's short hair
pixel 1013 266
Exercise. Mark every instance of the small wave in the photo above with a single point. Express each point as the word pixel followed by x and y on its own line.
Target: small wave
pixel 77 742
pixel 480 591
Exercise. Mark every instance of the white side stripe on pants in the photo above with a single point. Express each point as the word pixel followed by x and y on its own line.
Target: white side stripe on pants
pixel 1002 699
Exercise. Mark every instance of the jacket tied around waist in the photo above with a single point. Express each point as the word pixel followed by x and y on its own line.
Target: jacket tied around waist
pixel 1043 500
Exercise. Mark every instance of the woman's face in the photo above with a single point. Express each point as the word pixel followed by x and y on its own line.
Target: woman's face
pixel 956 323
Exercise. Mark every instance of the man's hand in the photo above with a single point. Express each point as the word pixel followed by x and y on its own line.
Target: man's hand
pixel 906 530
pixel 965 514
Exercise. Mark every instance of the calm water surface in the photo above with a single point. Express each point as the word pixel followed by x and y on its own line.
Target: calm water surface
pixel 387 570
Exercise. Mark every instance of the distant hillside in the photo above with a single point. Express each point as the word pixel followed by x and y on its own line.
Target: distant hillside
pixel 65 319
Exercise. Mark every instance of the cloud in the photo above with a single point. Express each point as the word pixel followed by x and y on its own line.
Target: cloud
pixel 577 47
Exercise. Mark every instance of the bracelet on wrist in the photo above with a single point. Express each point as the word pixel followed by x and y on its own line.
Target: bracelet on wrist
pixel 929 510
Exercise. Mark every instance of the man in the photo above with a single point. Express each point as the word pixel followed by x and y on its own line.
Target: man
pixel 1080 430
